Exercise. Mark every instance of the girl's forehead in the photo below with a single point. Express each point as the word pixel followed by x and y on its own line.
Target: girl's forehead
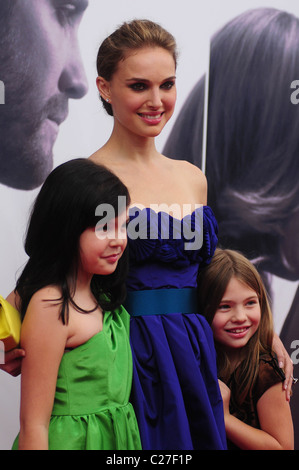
pixel 237 287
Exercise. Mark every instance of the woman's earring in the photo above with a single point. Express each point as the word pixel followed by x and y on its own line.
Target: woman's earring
pixel 108 101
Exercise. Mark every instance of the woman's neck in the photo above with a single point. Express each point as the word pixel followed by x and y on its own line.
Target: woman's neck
pixel 125 146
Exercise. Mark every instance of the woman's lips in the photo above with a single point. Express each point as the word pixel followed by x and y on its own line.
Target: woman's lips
pixel 152 119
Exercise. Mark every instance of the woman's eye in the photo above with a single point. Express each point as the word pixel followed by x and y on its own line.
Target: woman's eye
pixel 138 86
pixel 168 85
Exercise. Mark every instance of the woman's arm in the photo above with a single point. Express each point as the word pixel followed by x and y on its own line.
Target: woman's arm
pixel 13 362
pixel 43 337
pixel 275 418
pixel 285 363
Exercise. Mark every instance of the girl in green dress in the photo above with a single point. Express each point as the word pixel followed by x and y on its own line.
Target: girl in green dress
pixel 77 369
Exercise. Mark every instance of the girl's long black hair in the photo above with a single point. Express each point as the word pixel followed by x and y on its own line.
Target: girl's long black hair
pixel 64 208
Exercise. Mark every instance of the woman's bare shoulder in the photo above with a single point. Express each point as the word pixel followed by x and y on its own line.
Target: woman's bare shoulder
pixel 189 167
pixel 190 173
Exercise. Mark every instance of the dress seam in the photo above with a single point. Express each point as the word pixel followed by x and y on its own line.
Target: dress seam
pixel 102 410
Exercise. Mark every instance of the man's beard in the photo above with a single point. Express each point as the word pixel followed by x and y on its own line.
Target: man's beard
pixel 26 155
pixel 23 166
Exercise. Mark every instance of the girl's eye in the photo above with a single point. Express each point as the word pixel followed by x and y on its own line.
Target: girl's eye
pixel 223 307
pixel 102 228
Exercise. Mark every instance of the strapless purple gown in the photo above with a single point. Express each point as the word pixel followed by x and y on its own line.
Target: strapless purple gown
pixel 175 388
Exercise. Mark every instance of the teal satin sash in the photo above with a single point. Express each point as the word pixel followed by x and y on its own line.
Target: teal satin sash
pixel 161 302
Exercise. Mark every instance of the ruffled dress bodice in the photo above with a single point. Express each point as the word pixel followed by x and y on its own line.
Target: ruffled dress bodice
pixel 167 254
pixel 175 394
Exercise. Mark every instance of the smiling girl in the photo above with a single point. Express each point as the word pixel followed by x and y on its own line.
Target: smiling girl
pixel 77 370
pixel 234 301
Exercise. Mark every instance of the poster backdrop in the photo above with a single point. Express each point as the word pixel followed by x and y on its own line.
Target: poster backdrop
pixel 87 126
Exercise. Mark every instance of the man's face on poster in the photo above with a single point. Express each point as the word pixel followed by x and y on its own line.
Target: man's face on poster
pixel 41 70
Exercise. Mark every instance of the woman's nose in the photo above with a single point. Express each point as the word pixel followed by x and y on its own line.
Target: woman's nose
pixel 155 100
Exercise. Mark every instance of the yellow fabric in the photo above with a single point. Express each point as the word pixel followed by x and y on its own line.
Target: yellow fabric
pixel 10 325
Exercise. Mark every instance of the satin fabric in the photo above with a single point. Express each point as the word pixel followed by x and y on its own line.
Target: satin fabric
pixel 91 408
pixel 175 392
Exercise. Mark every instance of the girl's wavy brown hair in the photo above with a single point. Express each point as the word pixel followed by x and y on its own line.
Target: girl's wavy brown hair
pixel 212 284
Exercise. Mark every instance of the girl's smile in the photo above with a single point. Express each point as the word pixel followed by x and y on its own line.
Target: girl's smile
pixel 238 332
pixel 237 317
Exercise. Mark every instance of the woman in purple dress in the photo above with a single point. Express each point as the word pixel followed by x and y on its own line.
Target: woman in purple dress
pixel 172 233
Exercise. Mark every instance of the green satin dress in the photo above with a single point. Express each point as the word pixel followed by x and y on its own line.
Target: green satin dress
pixel 91 408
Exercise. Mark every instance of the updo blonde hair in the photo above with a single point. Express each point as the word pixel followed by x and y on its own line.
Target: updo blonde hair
pixel 131 36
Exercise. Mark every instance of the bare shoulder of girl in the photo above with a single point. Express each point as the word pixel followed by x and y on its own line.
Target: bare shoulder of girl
pixel 42 318
pixel 46 298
